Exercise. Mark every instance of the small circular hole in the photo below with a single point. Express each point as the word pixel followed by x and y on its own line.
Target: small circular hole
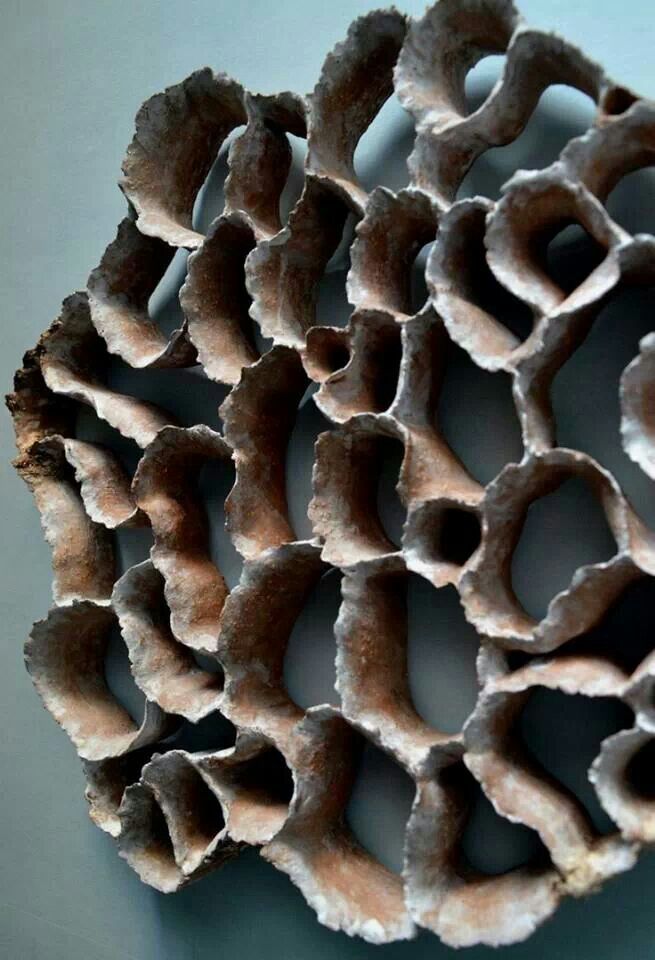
pixel 459 535
pixel 571 255
pixel 337 356
pixel 640 772
pixel 617 100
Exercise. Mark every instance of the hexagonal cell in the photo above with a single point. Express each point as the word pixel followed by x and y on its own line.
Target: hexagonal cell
pixel 486 584
pixel 563 530
pixel 66 659
pixel 345 510
pixel 404 700
pixel 358 368
pixel 164 669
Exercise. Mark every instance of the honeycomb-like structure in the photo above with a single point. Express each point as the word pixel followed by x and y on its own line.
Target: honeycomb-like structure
pixel 198 650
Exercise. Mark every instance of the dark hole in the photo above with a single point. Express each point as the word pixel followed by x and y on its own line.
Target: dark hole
pixel 240 242
pixel 493 845
pixel 459 535
pixel 517 659
pixel 207 815
pixel 479 285
pixel 571 256
pixel 160 838
pixel 384 359
pixel 308 425
pixel 336 357
pixel 625 634
pixel 117 773
pixel 640 772
pixel 267 776
pixel 391 511
pixel 212 733
pixel 119 679
pixel 618 100
pixel 484 444
pixel 332 307
pixel 90 428
pixel 379 806
pixel 564 733
pixel 309 663
pixel 563 531
pixel 254 334
pixel 441 652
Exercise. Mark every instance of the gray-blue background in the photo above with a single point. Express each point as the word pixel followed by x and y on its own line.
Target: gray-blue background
pixel 73 74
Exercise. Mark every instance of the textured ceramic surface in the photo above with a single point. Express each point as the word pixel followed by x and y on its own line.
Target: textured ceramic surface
pixel 249 308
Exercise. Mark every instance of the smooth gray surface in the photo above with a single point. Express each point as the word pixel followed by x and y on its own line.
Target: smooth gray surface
pixel 73 74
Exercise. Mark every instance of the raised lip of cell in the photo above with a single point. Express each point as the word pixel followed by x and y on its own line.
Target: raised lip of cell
pixel 154 179
pixel 353 388
pixel 76 635
pixel 215 301
pixel 208 106
pixel 259 701
pixel 251 814
pixel 489 343
pixel 394 228
pixel 634 815
pixel 606 153
pixel 315 843
pixel 162 667
pixel 356 79
pixel 371 628
pixel 164 489
pixel 512 780
pixel 119 289
pixel 72 358
pixel 283 272
pixel 425 521
pixel 449 139
pixel 172 782
pixel 462 906
pixel 258 418
pixel 511 240
pixel 343 517
pixel 485 587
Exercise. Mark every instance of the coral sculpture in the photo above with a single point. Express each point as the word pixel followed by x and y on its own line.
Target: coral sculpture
pixel 198 650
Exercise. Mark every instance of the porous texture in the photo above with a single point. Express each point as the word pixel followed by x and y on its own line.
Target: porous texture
pixel 197 650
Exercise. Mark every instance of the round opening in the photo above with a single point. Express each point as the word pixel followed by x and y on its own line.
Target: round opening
pixel 336 357
pixel 459 535
pixel 640 772
pixel 617 101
